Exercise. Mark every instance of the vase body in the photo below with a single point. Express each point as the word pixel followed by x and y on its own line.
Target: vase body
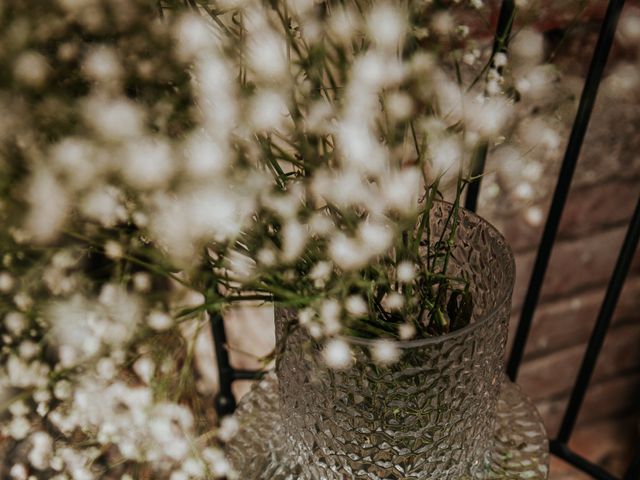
pixel 428 416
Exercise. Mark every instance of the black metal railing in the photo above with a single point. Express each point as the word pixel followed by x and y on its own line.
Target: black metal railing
pixel 225 401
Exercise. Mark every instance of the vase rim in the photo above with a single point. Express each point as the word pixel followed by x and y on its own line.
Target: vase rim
pixel 504 296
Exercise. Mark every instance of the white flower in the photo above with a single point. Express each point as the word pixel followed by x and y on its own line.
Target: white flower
pixel 386 25
pixel 443 23
pixel 487 118
pixel 205 156
pixel 159 321
pixel 115 119
pixel 534 216
pixel 102 64
pixel 113 250
pixel 320 273
pixel 385 352
pixel 294 239
pixel 147 163
pixel 347 253
pixel 527 46
pixel 31 69
pixel 343 24
pixel 337 354
pixel 393 301
pixel 141 282
pixel 229 426
pixel 406 271
pixel 28 349
pixel 193 36
pixel 103 205
pixel 401 190
pixel 15 323
pixel 376 237
pixel 18 428
pixel 6 282
pixel 356 306
pixel 407 331
pixel 629 29
pixel 446 154
pixel 267 256
pixel 144 368
pixel 240 265
pixel 306 316
pixel 62 390
pixel 330 311
pixel 49 205
pixel 266 53
pixel 23 374
pixel 399 106
pixel 19 472
pixel 41 450
pixel 500 59
pixel 79 160
pixel 268 110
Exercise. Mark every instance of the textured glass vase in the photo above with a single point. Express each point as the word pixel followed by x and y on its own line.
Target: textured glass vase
pixel 428 416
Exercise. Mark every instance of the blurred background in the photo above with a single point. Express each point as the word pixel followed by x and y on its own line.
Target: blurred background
pixel 603 195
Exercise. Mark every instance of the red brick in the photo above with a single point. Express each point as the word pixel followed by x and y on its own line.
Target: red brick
pixel 554 374
pixel 604 400
pixel 569 321
pixel 575 265
pixel 602 205
pixel 588 209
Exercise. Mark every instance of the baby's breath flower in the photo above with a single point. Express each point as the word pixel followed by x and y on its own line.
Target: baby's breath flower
pixel 295 238
pixel 320 273
pixel 141 282
pixel 386 25
pixel 113 250
pixel 31 69
pixel 337 354
pixel 407 331
pixel 6 282
pixel 229 426
pixel 330 312
pixel 406 272
pixel 159 321
pixel 393 301
pixel 356 306
pixel 385 352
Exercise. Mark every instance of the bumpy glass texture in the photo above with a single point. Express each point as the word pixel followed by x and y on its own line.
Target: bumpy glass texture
pixel 431 414
pixel 260 450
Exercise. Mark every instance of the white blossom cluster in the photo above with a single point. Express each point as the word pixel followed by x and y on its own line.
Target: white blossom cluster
pixel 159 161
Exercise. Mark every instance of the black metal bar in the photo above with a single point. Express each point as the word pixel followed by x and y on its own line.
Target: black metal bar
pixel 503 32
pixel 623 264
pixel 562 451
pixel 247 374
pixel 587 100
pixel 225 402
pixel 634 469
pixel 477 170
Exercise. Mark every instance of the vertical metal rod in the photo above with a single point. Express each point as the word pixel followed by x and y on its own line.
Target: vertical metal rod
pixel 503 32
pixel 634 469
pixel 587 100
pixel 623 264
pixel 225 401
pixel 477 170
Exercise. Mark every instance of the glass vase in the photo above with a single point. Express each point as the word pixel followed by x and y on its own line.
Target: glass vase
pixel 431 414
